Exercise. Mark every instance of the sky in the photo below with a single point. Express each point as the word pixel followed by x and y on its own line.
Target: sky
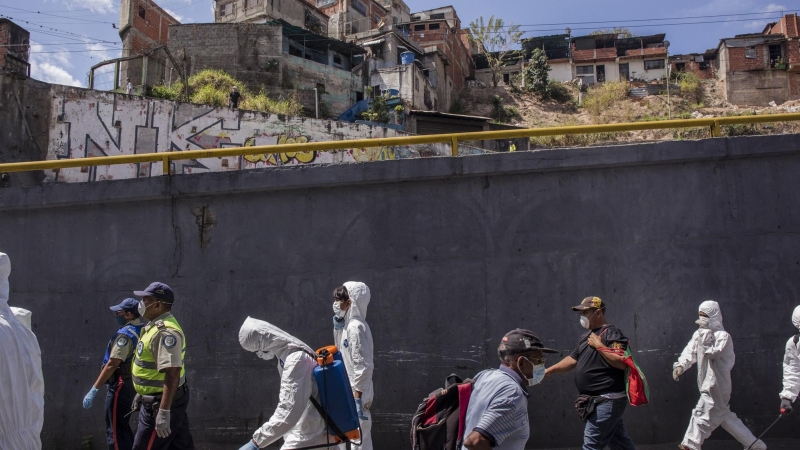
pixel 70 36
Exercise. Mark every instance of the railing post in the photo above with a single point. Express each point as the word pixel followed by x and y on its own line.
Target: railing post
pixel 165 166
pixel 715 131
pixel 454 146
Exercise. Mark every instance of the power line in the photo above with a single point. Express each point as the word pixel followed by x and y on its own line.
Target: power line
pixel 56 30
pixel 55 15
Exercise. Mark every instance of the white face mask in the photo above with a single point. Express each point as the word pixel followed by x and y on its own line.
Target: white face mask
pixel 337 309
pixel 142 308
pixel 266 356
pixel 703 322
pixel 538 373
pixel 585 322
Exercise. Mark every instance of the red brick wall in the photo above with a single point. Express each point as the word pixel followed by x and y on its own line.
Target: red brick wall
pixel 448 43
pixel 694 67
pixel 149 32
pixel 739 62
pixel 16 41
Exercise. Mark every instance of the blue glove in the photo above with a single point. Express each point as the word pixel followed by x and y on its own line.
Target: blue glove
pixel 249 446
pixel 87 401
pixel 338 323
pixel 360 409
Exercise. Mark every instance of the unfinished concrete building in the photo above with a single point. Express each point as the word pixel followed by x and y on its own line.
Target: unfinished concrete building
pixel 143 26
pixel 295 12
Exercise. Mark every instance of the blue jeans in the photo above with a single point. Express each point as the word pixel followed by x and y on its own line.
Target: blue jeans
pixel 604 427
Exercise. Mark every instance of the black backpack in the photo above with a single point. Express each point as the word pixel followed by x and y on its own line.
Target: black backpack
pixel 438 423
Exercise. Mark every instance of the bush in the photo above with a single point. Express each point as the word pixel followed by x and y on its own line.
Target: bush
pixel 559 92
pixel 458 107
pixel 536 73
pixel 262 102
pixel 691 86
pixel 502 113
pixel 601 98
pixel 167 92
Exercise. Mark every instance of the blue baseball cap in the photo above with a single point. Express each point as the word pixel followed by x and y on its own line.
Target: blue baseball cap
pixel 129 305
pixel 158 290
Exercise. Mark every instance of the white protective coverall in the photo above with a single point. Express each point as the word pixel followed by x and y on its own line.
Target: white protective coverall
pixel 791 364
pixel 21 381
pixel 295 419
pixel 355 343
pixel 712 349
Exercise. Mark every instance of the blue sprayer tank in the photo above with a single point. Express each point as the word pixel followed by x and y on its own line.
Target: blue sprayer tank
pixel 406 58
pixel 335 393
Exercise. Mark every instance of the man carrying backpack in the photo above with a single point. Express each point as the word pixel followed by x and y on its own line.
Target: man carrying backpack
pixel 497 415
pixel 600 378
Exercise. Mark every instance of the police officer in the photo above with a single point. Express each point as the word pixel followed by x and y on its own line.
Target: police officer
pixel 116 373
pixel 159 375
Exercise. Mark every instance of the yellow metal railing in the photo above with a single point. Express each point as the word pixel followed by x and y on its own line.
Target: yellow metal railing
pixel 453 139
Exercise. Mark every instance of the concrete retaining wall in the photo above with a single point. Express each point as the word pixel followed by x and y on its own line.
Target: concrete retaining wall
pixel 457 251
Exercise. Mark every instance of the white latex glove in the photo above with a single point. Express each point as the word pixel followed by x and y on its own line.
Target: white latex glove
pixel 162 423
pixel 677 372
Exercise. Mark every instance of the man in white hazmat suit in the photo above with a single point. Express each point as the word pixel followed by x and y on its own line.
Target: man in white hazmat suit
pixel 21 381
pixel 295 419
pixel 354 340
pixel 791 368
pixel 711 347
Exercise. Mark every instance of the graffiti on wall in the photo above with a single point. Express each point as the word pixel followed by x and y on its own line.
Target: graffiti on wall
pixel 88 124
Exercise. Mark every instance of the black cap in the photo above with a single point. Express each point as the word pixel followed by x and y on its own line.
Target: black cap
pixel 521 341
pixel 158 290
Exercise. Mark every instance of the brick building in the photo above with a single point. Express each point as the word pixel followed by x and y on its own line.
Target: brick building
pixel 440 29
pixel 353 17
pixel 764 67
pixel 144 26
pixel 14 48
pixel 704 65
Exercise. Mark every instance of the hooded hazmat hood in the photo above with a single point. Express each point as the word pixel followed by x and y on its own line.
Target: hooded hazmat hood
pixel 5 272
pixel 359 296
pixel 711 309
pixel 796 317
pixel 257 335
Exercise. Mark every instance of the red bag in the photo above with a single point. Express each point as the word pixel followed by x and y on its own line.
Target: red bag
pixel 635 382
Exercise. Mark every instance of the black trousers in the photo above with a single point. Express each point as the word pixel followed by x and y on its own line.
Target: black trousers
pixel 180 437
pixel 119 435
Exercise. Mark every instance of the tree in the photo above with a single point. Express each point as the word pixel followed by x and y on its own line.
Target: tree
pixel 536 73
pixel 494 40
pixel 619 31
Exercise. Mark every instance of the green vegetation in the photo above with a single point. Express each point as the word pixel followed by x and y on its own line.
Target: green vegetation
pixel 213 87
pixel 600 99
pixel 494 39
pixel 378 109
pixel 559 92
pixel 502 113
pixel 536 74
pixel 691 87
pixel 619 31
pixel 457 107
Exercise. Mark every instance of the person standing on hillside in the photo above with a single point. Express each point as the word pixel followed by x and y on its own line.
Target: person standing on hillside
pixel 354 339
pixel 234 98
pixel 600 379
pixel 116 374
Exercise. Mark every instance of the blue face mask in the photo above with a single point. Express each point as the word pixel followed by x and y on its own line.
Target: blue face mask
pixel 121 320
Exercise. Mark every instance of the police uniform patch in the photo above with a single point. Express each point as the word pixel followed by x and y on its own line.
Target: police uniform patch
pixel 169 341
pixel 122 341
pixel 140 348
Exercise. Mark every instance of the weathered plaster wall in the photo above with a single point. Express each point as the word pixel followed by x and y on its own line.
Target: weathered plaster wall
pixel 24 126
pixel 456 251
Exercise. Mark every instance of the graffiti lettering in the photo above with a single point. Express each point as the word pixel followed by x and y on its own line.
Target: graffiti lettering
pixel 301 157
pixel 374 154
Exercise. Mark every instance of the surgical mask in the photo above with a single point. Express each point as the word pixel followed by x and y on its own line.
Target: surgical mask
pixel 538 373
pixel 142 308
pixel 703 322
pixel 585 322
pixel 337 309
pixel 266 356
pixel 121 321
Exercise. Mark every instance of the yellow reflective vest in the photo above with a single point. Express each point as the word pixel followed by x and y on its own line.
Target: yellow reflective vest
pixel 147 380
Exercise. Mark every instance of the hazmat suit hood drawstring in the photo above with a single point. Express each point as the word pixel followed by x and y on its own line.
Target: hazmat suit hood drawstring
pixel 711 309
pixel 796 318
pixel 359 297
pixel 257 335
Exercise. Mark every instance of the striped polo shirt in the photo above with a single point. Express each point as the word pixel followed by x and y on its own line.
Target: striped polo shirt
pixel 498 409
